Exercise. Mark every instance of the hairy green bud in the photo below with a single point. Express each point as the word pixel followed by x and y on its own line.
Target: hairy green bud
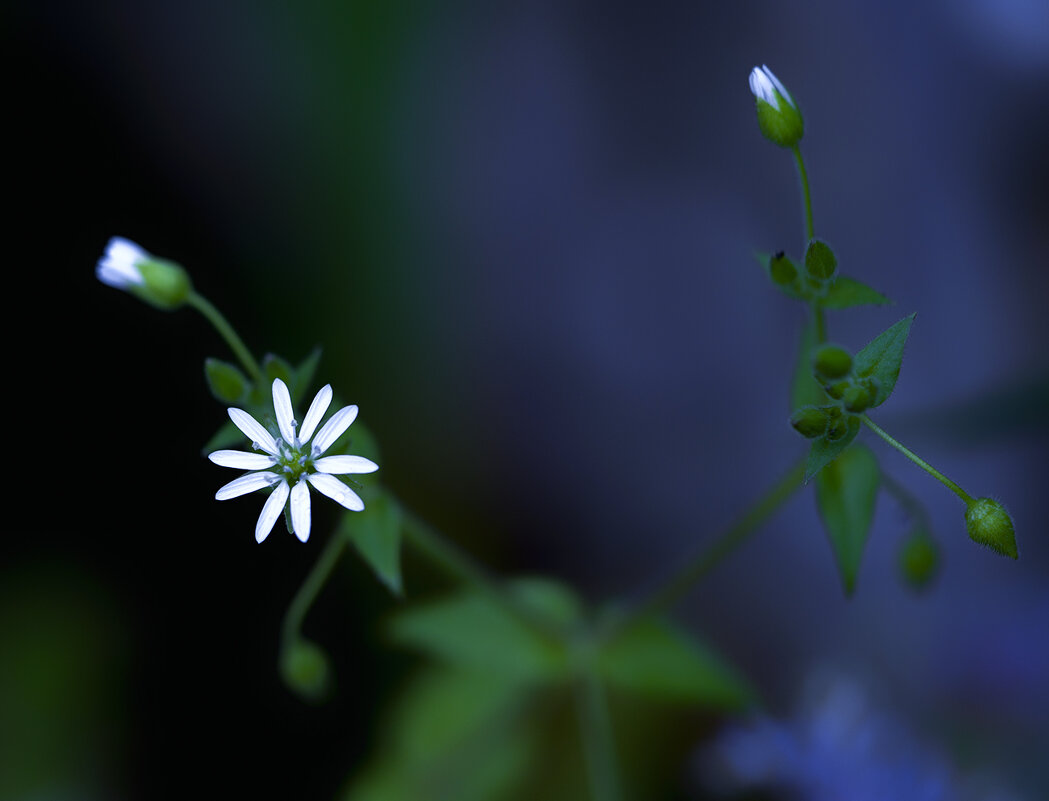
pixel 810 421
pixel 820 261
pixel 856 398
pixel 989 524
pixel 778 115
pixel 831 362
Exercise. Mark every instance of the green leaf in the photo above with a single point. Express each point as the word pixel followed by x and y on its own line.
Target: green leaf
pixel 304 374
pixel 226 382
pixel 276 367
pixel 880 359
pixel 825 450
pixel 226 436
pixel 376 534
pixel 804 389
pixel 452 736
pixel 847 292
pixel 845 494
pixel 655 659
pixel 471 631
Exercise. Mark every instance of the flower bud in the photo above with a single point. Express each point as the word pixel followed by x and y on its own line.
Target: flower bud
pixel 989 524
pixel 831 362
pixel 837 390
pixel 919 560
pixel 810 421
pixel 159 282
pixel 856 398
pixel 305 668
pixel 820 261
pixel 226 382
pixel 782 270
pixel 778 116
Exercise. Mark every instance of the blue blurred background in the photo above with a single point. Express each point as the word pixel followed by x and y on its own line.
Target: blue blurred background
pixel 522 232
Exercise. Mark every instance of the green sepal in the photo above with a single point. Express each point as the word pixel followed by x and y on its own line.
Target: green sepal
pixel 845 494
pixel 306 669
pixel 227 435
pixel 825 449
pixel 468 630
pixel 793 289
pixel 226 382
pixel 658 660
pixel 820 261
pixel 847 292
pixel 304 374
pixel 804 389
pixel 376 534
pixel 881 359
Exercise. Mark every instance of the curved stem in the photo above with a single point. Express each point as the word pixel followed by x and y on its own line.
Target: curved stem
pixel 924 465
pixel 461 566
pixel 672 590
pixel 809 229
pixel 214 316
pixel 311 587
pixel 595 726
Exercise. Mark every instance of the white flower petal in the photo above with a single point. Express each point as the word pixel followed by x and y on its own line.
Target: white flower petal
pixel 762 87
pixel 285 414
pixel 124 250
pixel 300 509
pixel 345 464
pixel 242 460
pixel 779 85
pixel 119 276
pixel 253 430
pixel 336 490
pixel 334 428
pixel 315 413
pixel 245 484
pixel 271 511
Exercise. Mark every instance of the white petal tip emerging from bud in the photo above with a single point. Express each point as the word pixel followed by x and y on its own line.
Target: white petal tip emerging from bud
pixel 761 84
pixel 119 266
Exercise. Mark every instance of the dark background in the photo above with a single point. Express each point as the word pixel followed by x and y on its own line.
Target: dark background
pixel 522 233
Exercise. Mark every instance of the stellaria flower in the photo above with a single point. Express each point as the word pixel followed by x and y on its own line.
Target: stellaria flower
pixel 127 266
pixel 290 463
pixel 778 115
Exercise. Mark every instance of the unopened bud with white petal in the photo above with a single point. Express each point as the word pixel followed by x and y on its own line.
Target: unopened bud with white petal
pixel 159 282
pixel 778 115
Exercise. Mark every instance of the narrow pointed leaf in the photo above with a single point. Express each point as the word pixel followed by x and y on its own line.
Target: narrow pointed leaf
pixel 304 373
pixel 655 659
pixel 845 494
pixel 275 367
pixel 376 534
pixel 825 450
pixel 881 358
pixel 848 292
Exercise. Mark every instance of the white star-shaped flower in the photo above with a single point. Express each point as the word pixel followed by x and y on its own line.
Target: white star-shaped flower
pixel 290 463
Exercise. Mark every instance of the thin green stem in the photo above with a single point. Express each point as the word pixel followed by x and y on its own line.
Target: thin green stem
pixel 462 567
pixel 311 587
pixel 819 322
pixel 924 465
pixel 595 726
pixel 672 590
pixel 214 316
pixel 809 229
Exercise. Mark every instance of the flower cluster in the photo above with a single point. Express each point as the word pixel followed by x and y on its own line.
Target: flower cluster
pixel 290 463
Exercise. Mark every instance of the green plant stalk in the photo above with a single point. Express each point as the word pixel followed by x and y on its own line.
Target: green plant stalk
pixel 671 591
pixel 461 566
pixel 924 465
pixel 809 228
pixel 311 587
pixel 214 316
pixel 595 728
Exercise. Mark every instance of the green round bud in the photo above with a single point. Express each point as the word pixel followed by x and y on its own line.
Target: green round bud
pixel 778 116
pixel 919 560
pixel 782 270
pixel 166 285
pixel 820 261
pixel 856 398
pixel 831 362
pixel 226 382
pixel 838 427
pixel 989 524
pixel 810 421
pixel 305 669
